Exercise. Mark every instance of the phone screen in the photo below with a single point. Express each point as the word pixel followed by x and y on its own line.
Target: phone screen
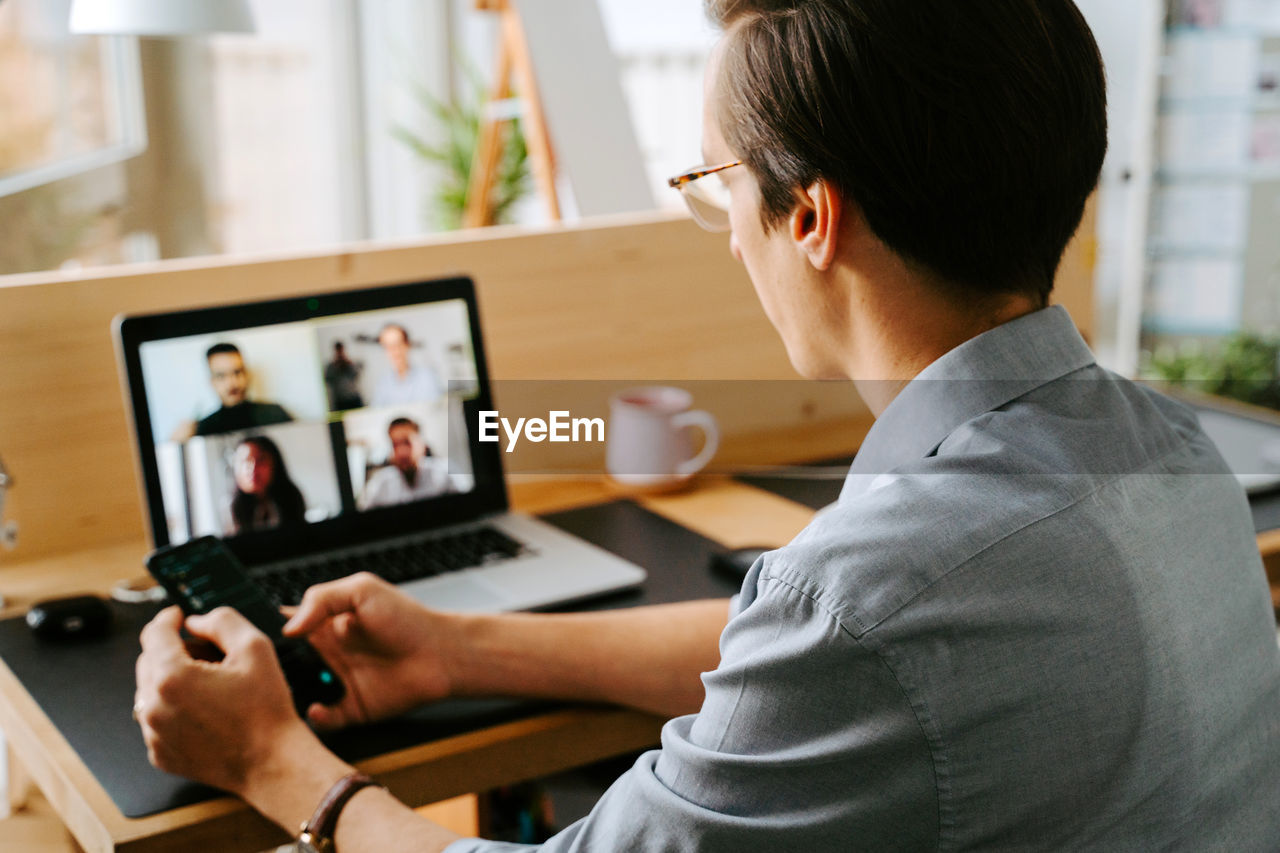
pixel 206 576
pixel 203 574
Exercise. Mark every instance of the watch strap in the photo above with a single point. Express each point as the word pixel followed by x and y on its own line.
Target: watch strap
pixel 318 831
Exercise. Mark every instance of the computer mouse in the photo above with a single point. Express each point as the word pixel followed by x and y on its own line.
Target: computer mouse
pixel 80 617
pixel 738 562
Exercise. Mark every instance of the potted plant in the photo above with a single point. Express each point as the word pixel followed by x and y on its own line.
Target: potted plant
pixel 1244 366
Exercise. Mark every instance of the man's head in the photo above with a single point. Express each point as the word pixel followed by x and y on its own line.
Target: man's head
pixel 966 136
pixel 227 373
pixel 394 339
pixel 407 447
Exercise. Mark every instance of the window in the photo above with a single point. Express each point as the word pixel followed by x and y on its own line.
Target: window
pixel 662 48
pixel 70 103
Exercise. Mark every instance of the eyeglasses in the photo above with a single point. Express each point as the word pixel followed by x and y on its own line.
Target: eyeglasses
pixel 708 200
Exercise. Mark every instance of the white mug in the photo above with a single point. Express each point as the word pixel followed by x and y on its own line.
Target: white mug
pixel 649 443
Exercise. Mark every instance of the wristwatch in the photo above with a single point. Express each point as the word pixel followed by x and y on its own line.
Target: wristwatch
pixel 317 833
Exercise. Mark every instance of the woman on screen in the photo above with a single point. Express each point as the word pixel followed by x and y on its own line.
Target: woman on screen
pixel 265 495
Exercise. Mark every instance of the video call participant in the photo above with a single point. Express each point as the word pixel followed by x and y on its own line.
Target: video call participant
pixel 404 382
pixel 414 474
pixel 342 380
pixel 265 496
pixel 1037 618
pixel 230 380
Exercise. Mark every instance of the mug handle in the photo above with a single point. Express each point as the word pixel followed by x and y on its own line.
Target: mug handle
pixel 711 439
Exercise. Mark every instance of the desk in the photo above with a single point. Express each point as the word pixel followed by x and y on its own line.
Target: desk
pixel 728 512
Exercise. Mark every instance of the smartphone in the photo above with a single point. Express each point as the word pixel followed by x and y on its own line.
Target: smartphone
pixel 203 574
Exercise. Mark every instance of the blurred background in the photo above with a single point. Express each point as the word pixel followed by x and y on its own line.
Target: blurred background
pixel 334 121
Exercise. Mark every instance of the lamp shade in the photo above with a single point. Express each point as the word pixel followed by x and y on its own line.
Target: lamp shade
pixel 160 17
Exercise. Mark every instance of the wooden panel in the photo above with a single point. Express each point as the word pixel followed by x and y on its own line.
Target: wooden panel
pixel 460 814
pixel 1269 544
pixel 1074 287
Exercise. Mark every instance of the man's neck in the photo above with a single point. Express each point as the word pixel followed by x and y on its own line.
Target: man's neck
pixel 899 327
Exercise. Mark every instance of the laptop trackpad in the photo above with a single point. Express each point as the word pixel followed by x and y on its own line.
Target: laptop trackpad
pixel 455 592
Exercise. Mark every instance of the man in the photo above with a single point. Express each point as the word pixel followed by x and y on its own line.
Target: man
pixel 230 380
pixel 412 475
pixel 405 382
pixel 1036 619
pixel 342 380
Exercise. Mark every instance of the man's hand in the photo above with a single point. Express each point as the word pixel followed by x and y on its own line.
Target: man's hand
pixel 217 723
pixel 393 654
pixel 388 649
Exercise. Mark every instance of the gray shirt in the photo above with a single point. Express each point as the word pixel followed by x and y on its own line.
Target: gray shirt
pixel 1036 620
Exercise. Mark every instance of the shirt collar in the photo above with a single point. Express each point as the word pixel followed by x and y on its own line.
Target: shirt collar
pixel 980 375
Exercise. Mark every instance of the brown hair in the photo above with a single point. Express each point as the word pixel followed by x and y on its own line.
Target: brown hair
pixel 969 134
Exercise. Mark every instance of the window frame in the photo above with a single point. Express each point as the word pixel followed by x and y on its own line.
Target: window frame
pixel 122 87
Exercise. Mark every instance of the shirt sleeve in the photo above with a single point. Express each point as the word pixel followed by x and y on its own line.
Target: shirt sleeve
pixel 805 742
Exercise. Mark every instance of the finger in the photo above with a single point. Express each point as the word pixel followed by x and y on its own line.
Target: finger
pixel 229 631
pixel 324 601
pixel 326 718
pixel 161 637
pixel 345 626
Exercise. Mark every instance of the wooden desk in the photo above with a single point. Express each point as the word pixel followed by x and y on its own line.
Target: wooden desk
pixel 723 510
pixel 726 511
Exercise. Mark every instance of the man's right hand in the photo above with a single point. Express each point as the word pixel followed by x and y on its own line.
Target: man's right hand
pixel 386 647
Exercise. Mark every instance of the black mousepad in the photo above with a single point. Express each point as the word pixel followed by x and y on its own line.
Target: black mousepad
pixel 86 689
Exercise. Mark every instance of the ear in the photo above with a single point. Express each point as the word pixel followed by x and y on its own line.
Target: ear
pixel 815 223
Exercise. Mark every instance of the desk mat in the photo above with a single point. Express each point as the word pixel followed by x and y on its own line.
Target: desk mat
pixel 817 493
pixel 796 485
pixel 87 689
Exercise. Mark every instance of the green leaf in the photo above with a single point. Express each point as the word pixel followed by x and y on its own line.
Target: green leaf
pixel 458 123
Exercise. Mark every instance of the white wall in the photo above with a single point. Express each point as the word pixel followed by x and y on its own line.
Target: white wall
pixel 1129 35
pixel 403 49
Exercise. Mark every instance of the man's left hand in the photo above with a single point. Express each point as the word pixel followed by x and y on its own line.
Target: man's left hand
pixel 217 723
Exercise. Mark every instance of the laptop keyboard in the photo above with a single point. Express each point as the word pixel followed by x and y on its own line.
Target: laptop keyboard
pixel 396 562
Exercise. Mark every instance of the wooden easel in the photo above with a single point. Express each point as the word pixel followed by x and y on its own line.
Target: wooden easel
pixel 513 60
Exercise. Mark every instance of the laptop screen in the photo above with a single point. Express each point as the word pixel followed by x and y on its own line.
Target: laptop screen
pixel 306 423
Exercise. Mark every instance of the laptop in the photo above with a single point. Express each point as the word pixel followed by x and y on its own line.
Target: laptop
pixel 325 435
pixel 1250 446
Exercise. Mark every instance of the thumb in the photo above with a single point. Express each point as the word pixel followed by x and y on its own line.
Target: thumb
pixel 327 718
pixel 229 631
pixel 162 633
